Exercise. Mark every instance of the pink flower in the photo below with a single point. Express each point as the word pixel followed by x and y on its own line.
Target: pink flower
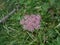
pixel 31 22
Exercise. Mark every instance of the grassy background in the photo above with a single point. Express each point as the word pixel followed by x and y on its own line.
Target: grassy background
pixel 11 32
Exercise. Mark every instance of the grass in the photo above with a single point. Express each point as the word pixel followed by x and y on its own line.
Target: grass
pixel 12 33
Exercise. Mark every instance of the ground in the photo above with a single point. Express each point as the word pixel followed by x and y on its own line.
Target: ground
pixel 12 33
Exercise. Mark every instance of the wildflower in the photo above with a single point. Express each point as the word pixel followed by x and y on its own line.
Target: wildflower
pixel 31 22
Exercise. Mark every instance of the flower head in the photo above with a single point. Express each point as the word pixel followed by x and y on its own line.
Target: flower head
pixel 31 22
